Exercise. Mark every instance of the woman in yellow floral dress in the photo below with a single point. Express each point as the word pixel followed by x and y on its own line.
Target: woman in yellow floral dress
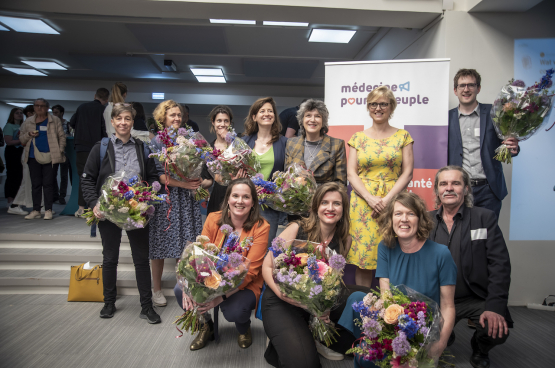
pixel 379 166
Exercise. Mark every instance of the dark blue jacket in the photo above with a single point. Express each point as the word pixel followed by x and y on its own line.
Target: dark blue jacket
pixel 488 144
pixel 279 151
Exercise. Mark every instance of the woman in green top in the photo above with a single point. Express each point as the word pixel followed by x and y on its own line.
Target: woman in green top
pixel 262 134
pixel 13 152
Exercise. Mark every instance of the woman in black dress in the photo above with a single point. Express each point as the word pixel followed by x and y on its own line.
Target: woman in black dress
pixel 221 118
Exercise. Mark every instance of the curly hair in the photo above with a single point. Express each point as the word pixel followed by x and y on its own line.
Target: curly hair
pixel 414 203
pixel 382 91
pixel 159 113
pixel 251 127
pixel 311 224
pixel 254 215
pixel 310 105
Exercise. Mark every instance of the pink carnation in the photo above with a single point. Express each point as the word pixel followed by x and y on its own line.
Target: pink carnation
pixel 322 269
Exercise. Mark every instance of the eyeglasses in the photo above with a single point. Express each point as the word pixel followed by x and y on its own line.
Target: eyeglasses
pixel 469 85
pixel 374 105
pixel 39 106
pixel 123 104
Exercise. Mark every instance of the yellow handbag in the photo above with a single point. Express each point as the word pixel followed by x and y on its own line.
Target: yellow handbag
pixel 85 285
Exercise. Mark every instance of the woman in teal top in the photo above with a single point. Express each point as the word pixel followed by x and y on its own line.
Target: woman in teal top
pixel 407 257
pixel 262 134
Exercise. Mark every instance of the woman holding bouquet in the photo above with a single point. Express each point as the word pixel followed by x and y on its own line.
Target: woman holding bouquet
pixel 285 321
pixel 314 148
pixel 380 166
pixel 177 221
pixel 262 129
pixel 406 257
pixel 242 213
pixel 221 118
pixel 123 154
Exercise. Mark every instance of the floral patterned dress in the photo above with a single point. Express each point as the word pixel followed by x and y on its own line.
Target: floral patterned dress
pixel 379 167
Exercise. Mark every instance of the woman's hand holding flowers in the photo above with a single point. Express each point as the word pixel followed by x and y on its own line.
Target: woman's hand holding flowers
pixel 205 307
pixel 97 213
pixel 193 184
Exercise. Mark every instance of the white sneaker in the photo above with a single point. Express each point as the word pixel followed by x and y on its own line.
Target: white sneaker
pixel 158 299
pixel 327 352
pixel 17 211
pixel 33 215
pixel 79 213
pixel 42 212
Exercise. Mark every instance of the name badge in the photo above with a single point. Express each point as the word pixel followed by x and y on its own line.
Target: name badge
pixel 479 234
pixel 43 128
pixel 476 132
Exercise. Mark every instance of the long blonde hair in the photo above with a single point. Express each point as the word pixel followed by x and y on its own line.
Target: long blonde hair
pixel 118 90
pixel 311 225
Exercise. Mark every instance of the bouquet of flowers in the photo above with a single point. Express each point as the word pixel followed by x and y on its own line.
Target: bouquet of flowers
pixel 310 274
pixel 182 155
pixel 398 327
pixel 238 155
pixel 206 271
pixel 128 203
pixel 518 112
pixel 265 190
pixel 295 188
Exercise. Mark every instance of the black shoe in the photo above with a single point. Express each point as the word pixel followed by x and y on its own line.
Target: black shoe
pixel 150 315
pixel 451 340
pixel 108 310
pixel 62 201
pixel 478 359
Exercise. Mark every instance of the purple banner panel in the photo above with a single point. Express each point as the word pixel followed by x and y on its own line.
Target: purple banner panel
pixel 430 145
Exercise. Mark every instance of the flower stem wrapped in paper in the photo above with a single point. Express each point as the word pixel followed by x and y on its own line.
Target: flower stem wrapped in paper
pixel 206 271
pixel 126 201
pixel 181 152
pixel 310 274
pixel 398 327
pixel 518 112
pixel 295 188
pixel 223 165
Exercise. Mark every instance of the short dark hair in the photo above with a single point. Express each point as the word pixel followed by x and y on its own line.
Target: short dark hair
pixel 60 108
pixel 102 94
pixel 27 109
pixel 467 73
pixel 140 110
pixel 186 107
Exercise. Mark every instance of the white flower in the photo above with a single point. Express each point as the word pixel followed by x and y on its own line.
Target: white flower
pixel 123 209
pixel 181 139
pixel 204 274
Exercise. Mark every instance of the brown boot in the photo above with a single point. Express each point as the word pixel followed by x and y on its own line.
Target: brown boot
pixel 205 334
pixel 245 340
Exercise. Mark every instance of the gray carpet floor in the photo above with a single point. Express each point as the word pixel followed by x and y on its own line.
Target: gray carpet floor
pixel 47 331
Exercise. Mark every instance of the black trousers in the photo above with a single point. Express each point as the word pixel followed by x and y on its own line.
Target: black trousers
pixel 472 308
pixel 80 162
pixel 111 240
pixel 484 197
pixel 14 170
pixel 61 191
pixel 42 180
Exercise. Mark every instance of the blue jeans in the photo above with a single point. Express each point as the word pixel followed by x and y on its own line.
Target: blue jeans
pixel 484 197
pixel 272 217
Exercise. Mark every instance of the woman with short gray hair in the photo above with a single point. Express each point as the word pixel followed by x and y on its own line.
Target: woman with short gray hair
pixel 314 148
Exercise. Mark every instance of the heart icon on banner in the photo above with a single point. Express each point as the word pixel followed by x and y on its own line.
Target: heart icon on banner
pixel 351 101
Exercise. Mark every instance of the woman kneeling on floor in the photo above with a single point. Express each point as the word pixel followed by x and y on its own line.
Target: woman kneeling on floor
pixel 240 210
pixel 285 321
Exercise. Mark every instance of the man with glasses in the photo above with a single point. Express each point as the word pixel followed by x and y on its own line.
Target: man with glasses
pixel 473 140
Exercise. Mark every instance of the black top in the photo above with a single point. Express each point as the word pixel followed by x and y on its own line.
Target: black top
pixel 453 242
pixel 218 191
pixel 140 124
pixel 333 245
pixel 193 125
pixel 288 119
pixel 90 127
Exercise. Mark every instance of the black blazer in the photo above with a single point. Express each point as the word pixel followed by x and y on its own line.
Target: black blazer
pixel 486 266
pixel 96 172
pixel 488 144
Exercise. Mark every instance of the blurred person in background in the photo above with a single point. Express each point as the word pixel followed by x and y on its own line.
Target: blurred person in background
pixel 65 167
pixel 12 154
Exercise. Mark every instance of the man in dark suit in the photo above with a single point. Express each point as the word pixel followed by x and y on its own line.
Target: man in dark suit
pixel 472 142
pixel 483 265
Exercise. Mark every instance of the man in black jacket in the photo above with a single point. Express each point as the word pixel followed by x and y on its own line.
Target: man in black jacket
pixel 90 127
pixel 123 153
pixel 483 265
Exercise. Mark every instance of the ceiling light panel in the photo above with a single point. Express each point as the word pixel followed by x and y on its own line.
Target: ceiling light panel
pixel 285 24
pixel 233 21
pixel 204 79
pixel 28 25
pixel 2 28
pixel 331 35
pixel 207 71
pixel 24 71
pixel 44 65
pixel 18 104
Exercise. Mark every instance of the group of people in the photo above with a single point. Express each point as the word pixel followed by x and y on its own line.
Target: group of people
pixel 455 255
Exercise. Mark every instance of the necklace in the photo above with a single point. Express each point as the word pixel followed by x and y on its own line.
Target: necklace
pixel 313 152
